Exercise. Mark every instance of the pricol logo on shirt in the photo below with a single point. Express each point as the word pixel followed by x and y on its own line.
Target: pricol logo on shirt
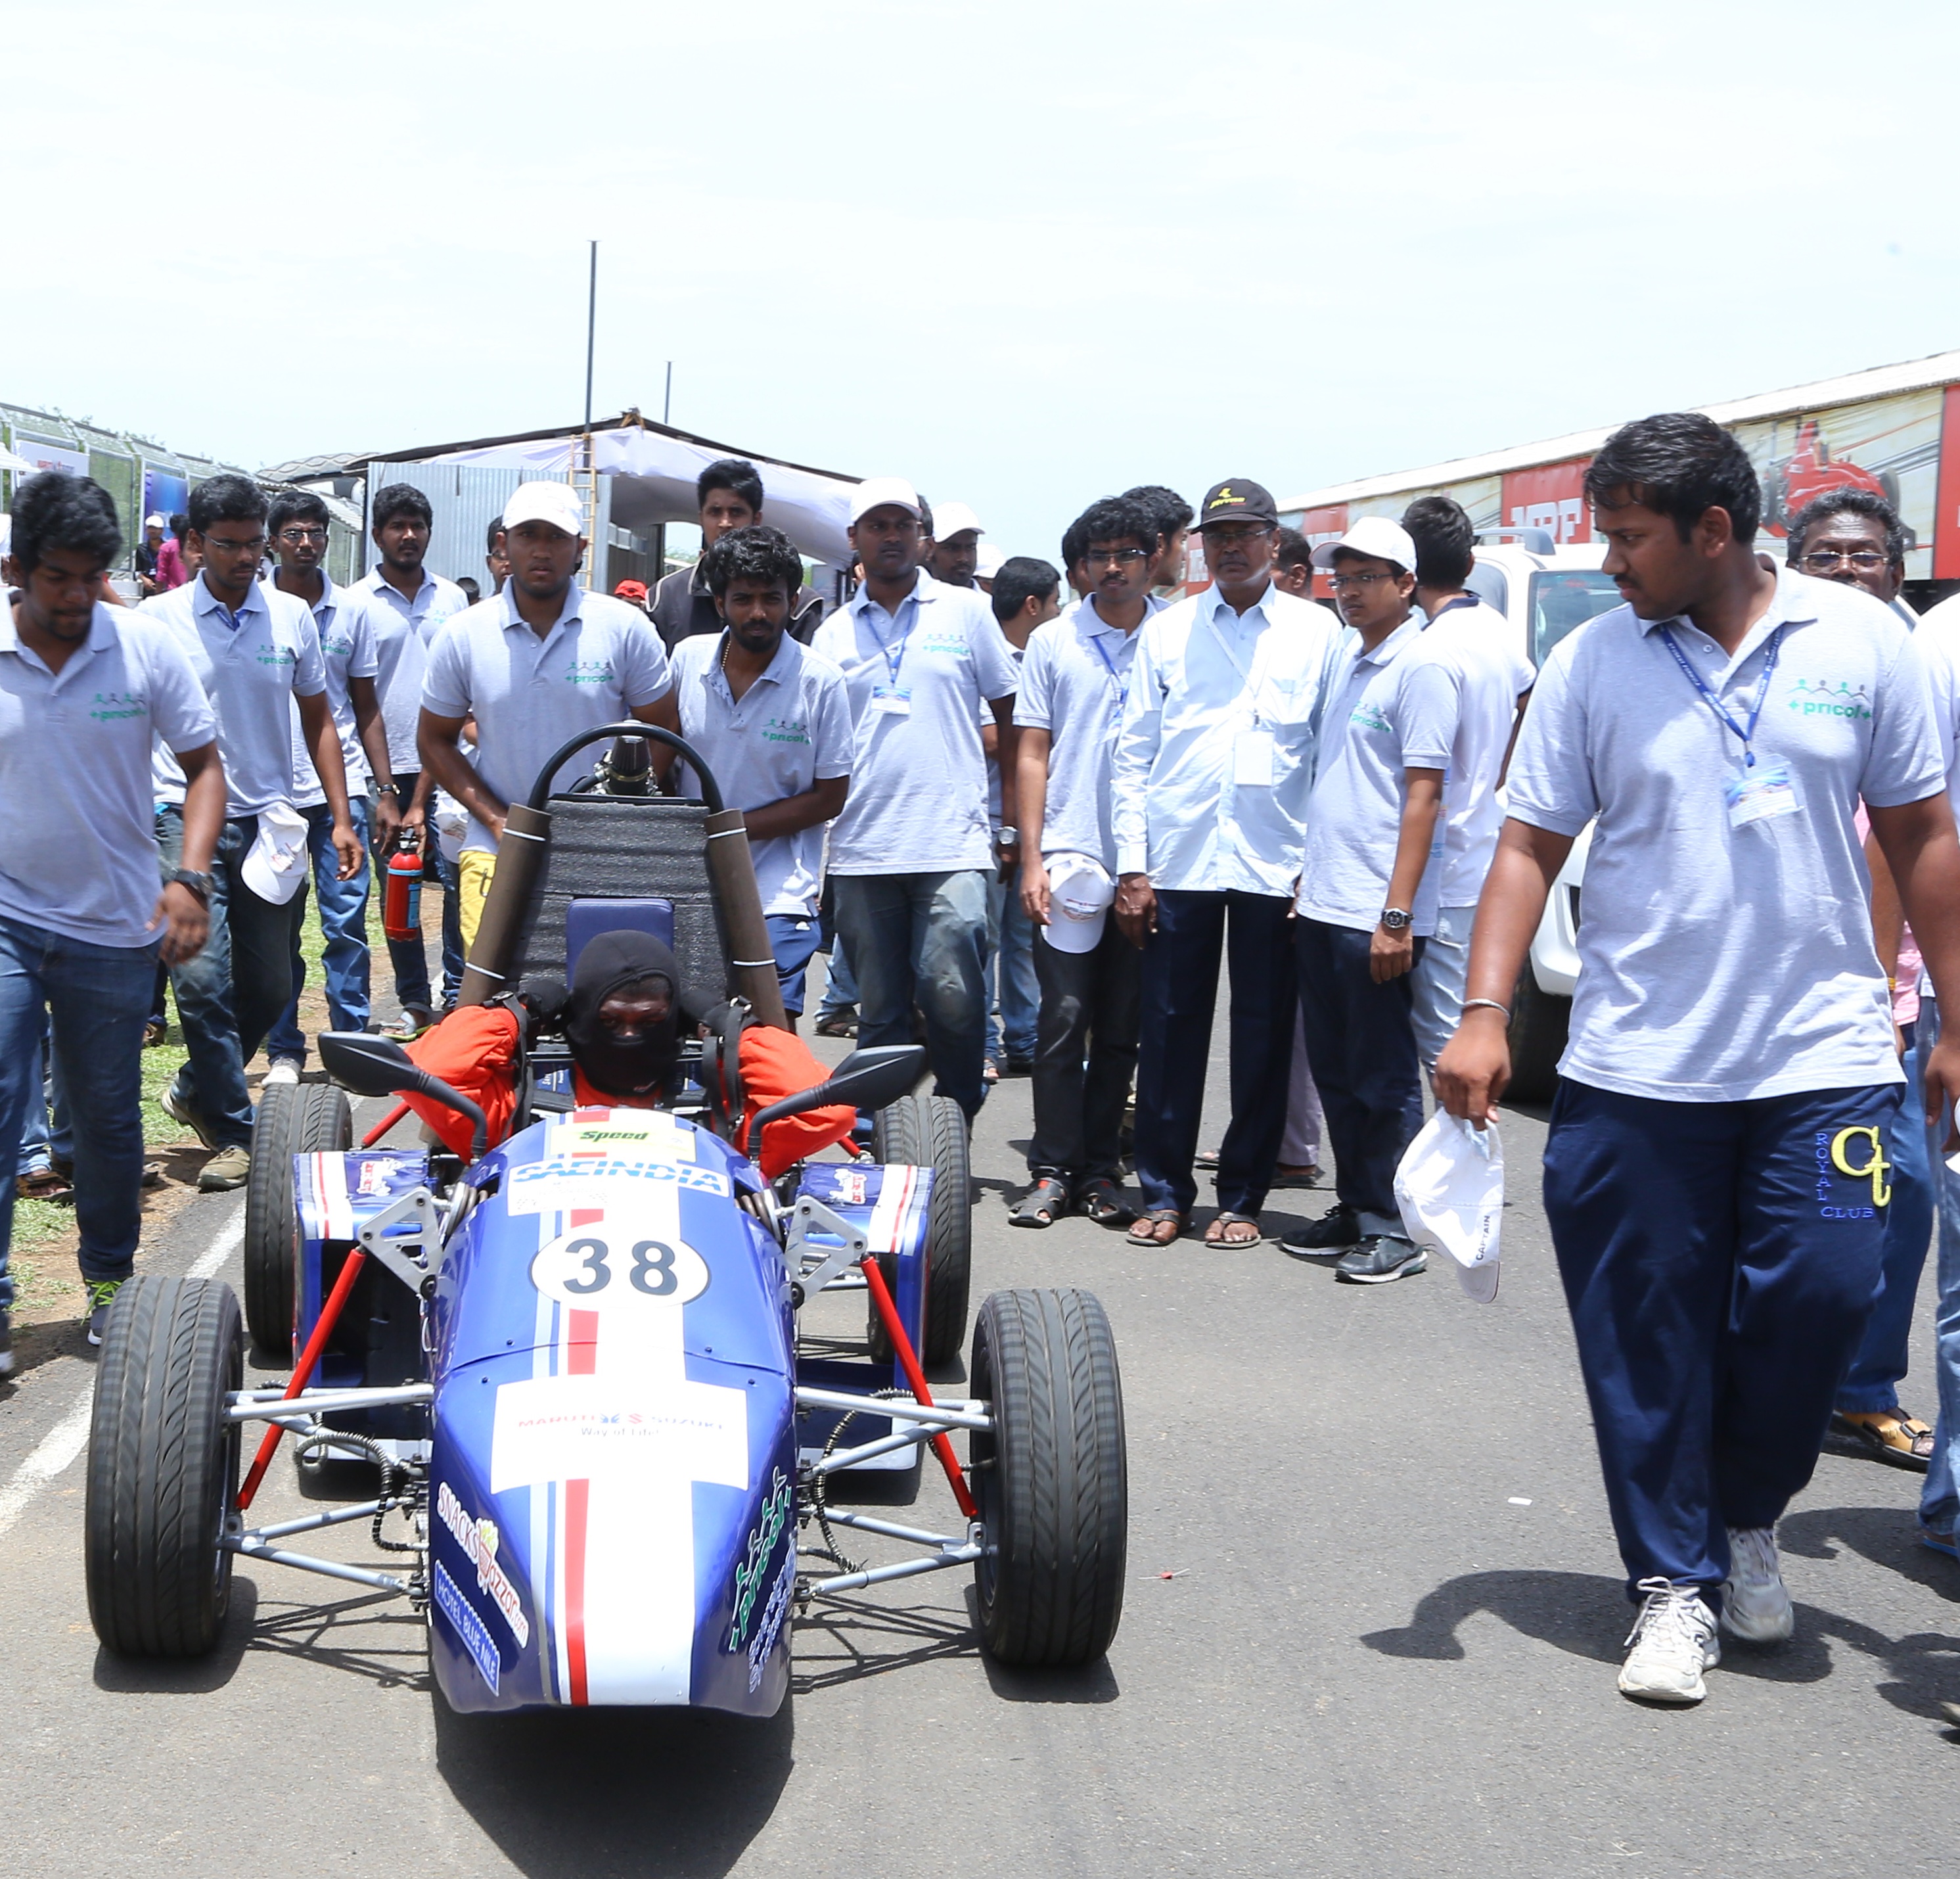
pixel 589 672
pixel 339 642
pixel 1819 698
pixel 1370 717
pixel 954 643
pixel 276 655
pixel 785 730
pixel 105 705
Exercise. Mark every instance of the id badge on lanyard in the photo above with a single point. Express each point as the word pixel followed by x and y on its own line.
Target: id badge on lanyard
pixel 1761 791
pixel 1254 750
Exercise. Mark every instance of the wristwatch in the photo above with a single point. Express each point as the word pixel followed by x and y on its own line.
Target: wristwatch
pixel 197 883
pixel 1396 919
pixel 1009 838
pixel 387 789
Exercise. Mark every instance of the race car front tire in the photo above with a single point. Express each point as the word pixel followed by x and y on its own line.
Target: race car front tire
pixel 294 1118
pixel 162 1467
pixel 1051 1478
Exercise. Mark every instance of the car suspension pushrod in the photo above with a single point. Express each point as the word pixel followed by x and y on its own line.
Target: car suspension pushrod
pixel 329 1317
pixel 942 1443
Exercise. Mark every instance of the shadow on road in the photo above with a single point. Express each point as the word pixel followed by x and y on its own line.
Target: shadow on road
pixel 571 1794
pixel 1888 1536
pixel 188 1676
pixel 1576 1611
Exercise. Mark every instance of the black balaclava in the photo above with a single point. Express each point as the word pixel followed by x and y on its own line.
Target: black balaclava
pixel 608 962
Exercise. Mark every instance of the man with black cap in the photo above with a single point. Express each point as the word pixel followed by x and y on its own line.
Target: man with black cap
pixel 1212 768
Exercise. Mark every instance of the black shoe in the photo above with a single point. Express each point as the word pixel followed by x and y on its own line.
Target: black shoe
pixel 1379 1258
pixel 1334 1232
pixel 1020 1066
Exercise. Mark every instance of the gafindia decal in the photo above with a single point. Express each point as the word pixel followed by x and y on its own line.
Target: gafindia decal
pixel 755 1561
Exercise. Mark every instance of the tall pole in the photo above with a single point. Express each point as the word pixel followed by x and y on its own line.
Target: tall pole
pixel 591 330
pixel 666 405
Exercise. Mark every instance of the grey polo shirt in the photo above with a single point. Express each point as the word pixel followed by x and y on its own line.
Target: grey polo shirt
pixel 1720 962
pixel 918 777
pixel 1075 681
pixel 347 650
pixel 601 660
pixel 252 666
pixel 403 631
pixel 789 731
pixel 79 850
pixel 1395 709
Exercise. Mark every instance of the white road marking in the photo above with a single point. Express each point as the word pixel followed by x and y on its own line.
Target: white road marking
pixel 62 1443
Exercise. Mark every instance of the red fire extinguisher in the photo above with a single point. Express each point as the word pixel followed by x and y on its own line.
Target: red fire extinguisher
pixel 402 895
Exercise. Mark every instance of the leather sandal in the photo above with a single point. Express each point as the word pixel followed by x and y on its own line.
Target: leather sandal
pixel 1892 1435
pixel 1147 1228
pixel 1214 1232
pixel 1043 1204
pixel 1101 1200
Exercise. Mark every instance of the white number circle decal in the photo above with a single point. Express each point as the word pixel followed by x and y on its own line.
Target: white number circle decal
pixel 598 1269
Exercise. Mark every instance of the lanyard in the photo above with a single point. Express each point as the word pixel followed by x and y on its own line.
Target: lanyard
pixel 1121 683
pixel 1746 734
pixel 1255 679
pixel 895 659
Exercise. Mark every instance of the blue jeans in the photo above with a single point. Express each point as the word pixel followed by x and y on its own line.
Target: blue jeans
pixel 1873 1381
pixel 1940 1503
pixel 343 926
pixel 42 1143
pixel 1718 1268
pixel 98 998
pixel 231 995
pixel 409 961
pixel 1015 1002
pixel 919 939
pixel 793 940
pixel 1361 1048
pixel 1180 990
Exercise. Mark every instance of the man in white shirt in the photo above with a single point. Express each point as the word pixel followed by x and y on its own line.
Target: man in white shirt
pixel 1494 677
pixel 1715 1179
pixel 298 523
pixel 909 856
pixel 1213 765
pixel 84 689
pixel 1368 893
pixel 406 606
pixel 256 651
pixel 1075 681
pixel 771 721
pixel 544 661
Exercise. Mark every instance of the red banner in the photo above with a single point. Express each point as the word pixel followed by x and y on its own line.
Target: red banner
pixel 1551 498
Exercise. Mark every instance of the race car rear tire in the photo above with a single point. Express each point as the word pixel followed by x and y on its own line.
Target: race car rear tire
pixel 898 1139
pixel 1050 1478
pixel 948 1273
pixel 162 1467
pixel 294 1118
pixel 1539 1019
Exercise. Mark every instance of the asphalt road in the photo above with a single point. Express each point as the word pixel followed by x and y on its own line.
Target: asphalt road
pixel 1371 1627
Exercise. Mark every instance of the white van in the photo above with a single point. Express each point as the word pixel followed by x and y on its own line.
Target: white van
pixel 1544 592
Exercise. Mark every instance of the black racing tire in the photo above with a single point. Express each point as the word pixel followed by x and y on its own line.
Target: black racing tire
pixel 162 1467
pixel 294 1118
pixel 948 1239
pixel 899 1136
pixel 1539 1019
pixel 1052 1478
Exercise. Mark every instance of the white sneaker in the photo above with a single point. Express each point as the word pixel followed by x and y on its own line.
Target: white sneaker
pixel 1673 1641
pixel 1755 1606
pixel 284 1070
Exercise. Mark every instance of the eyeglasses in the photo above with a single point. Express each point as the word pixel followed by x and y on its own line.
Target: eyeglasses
pixel 1113 557
pixel 1822 560
pixel 1350 583
pixel 218 544
pixel 1225 537
pixel 296 535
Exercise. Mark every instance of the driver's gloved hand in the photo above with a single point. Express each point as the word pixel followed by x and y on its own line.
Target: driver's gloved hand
pixel 540 1003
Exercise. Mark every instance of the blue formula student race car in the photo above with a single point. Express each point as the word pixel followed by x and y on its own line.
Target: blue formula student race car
pixel 605 1444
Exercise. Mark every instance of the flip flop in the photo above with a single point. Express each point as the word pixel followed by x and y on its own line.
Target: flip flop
pixel 44 1184
pixel 1143 1230
pixel 1214 1234
pixel 1101 1201
pixel 1892 1435
pixel 1043 1204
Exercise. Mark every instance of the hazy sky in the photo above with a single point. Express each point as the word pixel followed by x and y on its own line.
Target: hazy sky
pixel 1027 254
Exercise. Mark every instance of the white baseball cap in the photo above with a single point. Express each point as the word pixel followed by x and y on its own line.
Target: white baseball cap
pixel 954 518
pixel 990 562
pixel 556 503
pixel 1374 535
pixel 155 521
pixel 876 492
pixel 1080 892
pixel 275 865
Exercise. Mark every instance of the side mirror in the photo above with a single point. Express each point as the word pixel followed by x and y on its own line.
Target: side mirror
pixel 379 1066
pixel 866 1079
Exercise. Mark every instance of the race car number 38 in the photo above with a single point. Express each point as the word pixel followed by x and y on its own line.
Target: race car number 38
pixel 594 1269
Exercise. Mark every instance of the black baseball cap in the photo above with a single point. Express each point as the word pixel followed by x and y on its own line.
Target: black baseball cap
pixel 1236 500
